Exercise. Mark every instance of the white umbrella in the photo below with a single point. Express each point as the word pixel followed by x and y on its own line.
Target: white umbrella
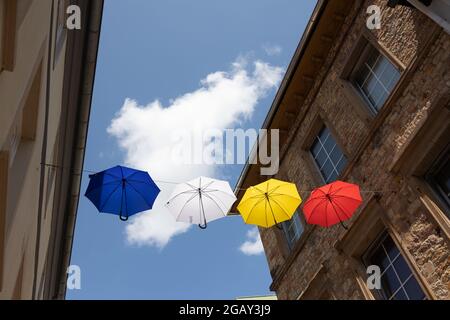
pixel 201 201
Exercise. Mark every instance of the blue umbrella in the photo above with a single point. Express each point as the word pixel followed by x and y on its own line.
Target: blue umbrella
pixel 122 191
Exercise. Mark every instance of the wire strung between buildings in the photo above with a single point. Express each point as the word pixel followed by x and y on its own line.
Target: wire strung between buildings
pixel 175 183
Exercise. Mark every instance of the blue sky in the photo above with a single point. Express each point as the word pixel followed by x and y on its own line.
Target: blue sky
pixel 186 61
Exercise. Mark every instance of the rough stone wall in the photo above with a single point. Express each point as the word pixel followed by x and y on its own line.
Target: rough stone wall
pixel 404 33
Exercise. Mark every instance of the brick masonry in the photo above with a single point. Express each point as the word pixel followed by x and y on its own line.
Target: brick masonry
pixel 405 33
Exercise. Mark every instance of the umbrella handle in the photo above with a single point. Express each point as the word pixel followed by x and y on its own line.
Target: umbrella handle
pixel 122 218
pixel 203 227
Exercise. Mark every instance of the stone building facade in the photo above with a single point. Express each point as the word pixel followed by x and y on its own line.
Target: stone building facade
pixel 371 107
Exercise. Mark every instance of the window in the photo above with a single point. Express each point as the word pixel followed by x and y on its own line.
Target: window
pixel 439 178
pixel 328 156
pixel 397 280
pixel 374 77
pixel 293 230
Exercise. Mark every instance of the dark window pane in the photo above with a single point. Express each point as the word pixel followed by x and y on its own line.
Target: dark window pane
pixel 389 76
pixel 369 86
pixel 329 144
pixel 376 77
pixel 380 259
pixel 293 229
pixel 321 158
pixel 443 178
pixel 378 95
pixel 400 295
pixel 361 75
pixel 391 248
pixel 414 290
pixel 380 67
pixel 394 80
pixel 342 164
pixel 324 133
pixel 336 155
pixel 402 268
pixel 390 282
pixel 397 280
pixel 315 149
pixel 332 177
pixel 372 57
pixel 327 169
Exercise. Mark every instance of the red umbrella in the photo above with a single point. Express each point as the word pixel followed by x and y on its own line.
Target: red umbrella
pixel 332 204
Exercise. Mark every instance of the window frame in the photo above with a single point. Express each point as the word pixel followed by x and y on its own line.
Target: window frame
pixel 370 224
pixel 418 155
pixel 314 161
pixel 369 49
pixel 353 62
pixel 439 162
pixel 296 217
pixel 374 246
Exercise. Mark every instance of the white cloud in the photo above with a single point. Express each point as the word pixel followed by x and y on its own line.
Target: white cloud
pixel 253 246
pixel 146 134
pixel 272 49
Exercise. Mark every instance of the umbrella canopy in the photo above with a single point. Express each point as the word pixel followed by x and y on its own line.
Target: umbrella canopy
pixel 201 201
pixel 269 203
pixel 332 204
pixel 122 191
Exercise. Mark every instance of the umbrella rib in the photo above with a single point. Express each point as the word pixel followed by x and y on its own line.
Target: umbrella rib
pixel 221 191
pixel 343 211
pixel 206 186
pixel 138 181
pixel 109 196
pixel 285 212
pixel 136 172
pixel 274 189
pixel 313 210
pixel 259 190
pixel 251 210
pixel 256 197
pixel 125 201
pixel 284 195
pixel 341 188
pixel 320 190
pixel 100 186
pixel 271 209
pixel 110 174
pixel 193 187
pixel 181 193
pixel 209 197
pixel 182 208
pixel 265 214
pixel 138 192
pixel 347 197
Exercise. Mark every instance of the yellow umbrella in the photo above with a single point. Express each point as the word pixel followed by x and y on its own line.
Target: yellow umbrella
pixel 269 203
